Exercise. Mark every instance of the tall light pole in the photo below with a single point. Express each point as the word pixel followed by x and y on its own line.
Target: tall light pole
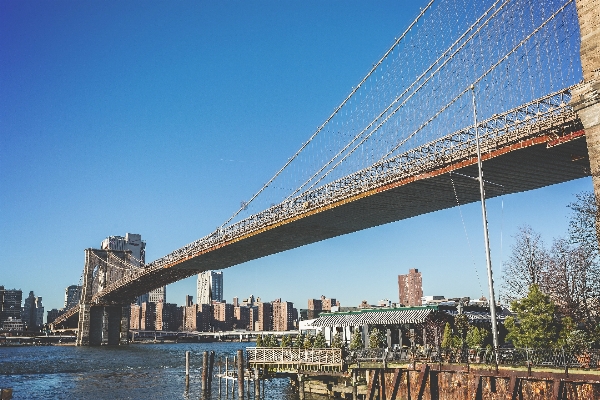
pixel 488 257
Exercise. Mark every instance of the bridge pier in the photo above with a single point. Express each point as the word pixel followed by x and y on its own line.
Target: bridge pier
pixel 102 325
pixel 586 96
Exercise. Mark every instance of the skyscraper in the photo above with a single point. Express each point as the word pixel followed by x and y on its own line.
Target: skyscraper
pixel 410 288
pixel 210 287
pixel 33 312
pixel 72 296
pixel 10 304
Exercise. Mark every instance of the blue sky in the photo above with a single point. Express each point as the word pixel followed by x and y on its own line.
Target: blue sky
pixel 159 118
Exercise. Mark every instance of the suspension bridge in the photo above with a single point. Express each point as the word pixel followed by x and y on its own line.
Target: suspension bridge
pixel 519 75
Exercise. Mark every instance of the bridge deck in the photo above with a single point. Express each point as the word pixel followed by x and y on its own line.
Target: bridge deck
pixel 529 156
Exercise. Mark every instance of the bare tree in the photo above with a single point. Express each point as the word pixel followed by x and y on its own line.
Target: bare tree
pixel 583 236
pixel 525 266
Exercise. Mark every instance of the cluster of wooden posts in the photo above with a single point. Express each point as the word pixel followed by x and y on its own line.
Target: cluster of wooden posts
pixel 234 372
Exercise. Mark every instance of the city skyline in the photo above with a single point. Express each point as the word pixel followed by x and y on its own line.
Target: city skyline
pixel 153 140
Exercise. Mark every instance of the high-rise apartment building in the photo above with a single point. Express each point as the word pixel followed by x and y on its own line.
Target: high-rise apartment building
pixel 283 315
pixel 158 295
pixel 166 316
pixel 264 317
pixel 253 318
pixel 148 316
pixel 72 296
pixel 135 317
pixel 222 316
pixel 410 288
pixel 134 243
pixel 209 287
pixel 197 317
pixel 241 317
pixel 317 306
pixel 10 304
pixel 52 315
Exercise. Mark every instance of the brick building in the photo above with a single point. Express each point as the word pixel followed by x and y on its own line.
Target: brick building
pixel 166 317
pixel 222 316
pixel 410 288
pixel 283 315
pixel 148 316
pixel 135 317
pixel 241 317
pixel 264 313
pixel 317 306
pixel 197 317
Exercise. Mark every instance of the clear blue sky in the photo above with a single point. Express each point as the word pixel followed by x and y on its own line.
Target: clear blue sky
pixel 158 118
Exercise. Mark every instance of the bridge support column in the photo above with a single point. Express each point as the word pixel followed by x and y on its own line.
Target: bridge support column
pixel 586 96
pixel 125 314
pixel 102 325
pixel 96 326
pixel 83 326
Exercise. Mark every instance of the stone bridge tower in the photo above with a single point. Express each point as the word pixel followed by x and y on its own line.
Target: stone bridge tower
pixel 102 324
pixel 586 96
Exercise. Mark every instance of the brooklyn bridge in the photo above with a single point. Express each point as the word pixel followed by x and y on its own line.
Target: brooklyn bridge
pixel 518 77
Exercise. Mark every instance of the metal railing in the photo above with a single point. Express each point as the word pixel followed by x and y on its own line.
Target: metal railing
pixel 295 357
pixel 550 358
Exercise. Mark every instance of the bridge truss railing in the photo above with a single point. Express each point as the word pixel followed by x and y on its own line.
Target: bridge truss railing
pixel 546 115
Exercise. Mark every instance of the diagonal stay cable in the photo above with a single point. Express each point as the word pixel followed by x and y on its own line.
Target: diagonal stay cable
pixel 401 105
pixel 492 68
pixel 338 108
pixel 340 152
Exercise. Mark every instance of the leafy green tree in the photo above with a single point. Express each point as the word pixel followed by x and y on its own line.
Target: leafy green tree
pixel 299 342
pixel 376 339
pixel 259 341
pixel 537 323
pixel 286 341
pixel 578 341
pixel 449 340
pixel 320 342
pixel 272 341
pixel 308 341
pixel 356 343
pixel 476 337
pixel 337 342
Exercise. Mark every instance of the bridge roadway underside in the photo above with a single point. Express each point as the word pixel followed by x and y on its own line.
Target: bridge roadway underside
pixel 516 170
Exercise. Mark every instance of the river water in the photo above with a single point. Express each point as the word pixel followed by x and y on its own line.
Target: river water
pixel 136 371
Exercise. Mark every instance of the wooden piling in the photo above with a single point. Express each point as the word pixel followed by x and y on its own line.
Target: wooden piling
pixel 226 375
pixel 187 369
pixel 301 386
pixel 240 374
pixel 211 365
pixel 205 372
pixel 256 385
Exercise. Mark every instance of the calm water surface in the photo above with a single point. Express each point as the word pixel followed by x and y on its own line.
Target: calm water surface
pixel 138 371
